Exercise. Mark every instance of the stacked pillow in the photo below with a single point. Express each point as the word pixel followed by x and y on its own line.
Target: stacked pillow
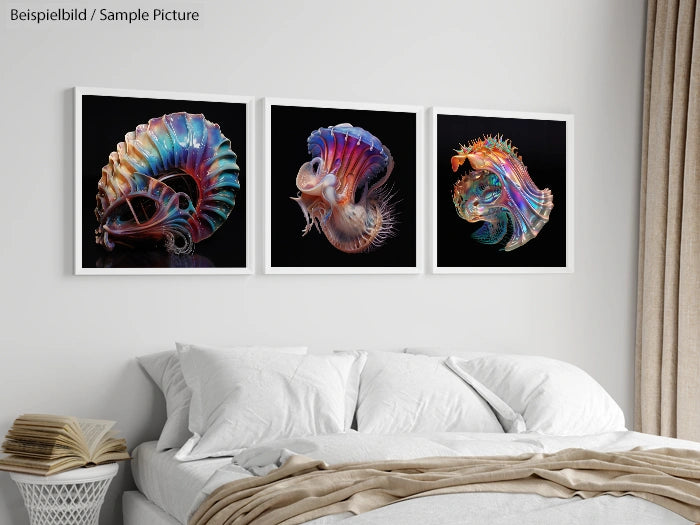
pixel 551 396
pixel 242 397
pixel 165 370
pixel 536 394
pixel 220 400
pixel 404 393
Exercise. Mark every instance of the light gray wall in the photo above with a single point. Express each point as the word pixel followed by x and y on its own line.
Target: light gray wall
pixel 68 342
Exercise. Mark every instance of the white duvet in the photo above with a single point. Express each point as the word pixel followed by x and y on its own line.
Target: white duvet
pixel 467 509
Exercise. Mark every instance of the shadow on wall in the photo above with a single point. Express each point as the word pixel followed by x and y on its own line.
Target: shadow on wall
pixel 68 182
pixel 134 400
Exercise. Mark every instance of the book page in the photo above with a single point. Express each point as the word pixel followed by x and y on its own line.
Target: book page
pixel 93 431
pixel 110 445
pixel 44 420
pixel 41 467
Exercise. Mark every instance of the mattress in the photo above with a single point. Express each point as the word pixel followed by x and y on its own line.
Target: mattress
pixel 171 490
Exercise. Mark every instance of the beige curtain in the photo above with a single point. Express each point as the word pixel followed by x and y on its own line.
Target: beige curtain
pixel 667 400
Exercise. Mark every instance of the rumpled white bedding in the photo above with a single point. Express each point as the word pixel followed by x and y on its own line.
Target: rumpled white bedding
pixel 477 509
pixel 171 484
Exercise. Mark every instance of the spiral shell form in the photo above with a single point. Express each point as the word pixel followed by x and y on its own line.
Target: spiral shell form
pixel 171 182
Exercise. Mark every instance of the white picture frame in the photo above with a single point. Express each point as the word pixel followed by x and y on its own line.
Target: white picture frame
pixel 408 157
pixel 457 246
pixel 121 102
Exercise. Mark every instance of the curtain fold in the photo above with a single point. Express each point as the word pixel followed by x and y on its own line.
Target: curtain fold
pixel 667 362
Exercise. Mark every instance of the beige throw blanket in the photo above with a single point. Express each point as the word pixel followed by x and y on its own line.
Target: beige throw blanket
pixel 303 489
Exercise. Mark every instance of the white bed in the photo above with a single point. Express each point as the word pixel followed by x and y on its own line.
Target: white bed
pixel 170 490
pixel 231 412
pixel 169 484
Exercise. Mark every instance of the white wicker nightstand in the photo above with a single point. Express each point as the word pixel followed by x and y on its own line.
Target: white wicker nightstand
pixel 73 497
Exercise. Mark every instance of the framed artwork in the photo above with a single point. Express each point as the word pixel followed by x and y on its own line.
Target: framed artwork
pixel 503 192
pixel 163 183
pixel 343 187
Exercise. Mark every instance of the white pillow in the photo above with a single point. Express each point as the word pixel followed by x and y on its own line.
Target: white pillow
pixel 552 396
pixel 241 397
pixel 165 371
pixel 401 393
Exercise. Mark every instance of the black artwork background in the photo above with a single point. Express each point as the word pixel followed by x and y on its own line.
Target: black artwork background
pixel 105 121
pixel 290 129
pixel 542 144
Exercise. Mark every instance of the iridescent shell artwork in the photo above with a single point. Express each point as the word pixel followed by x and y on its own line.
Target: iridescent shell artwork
pixel 343 190
pixel 171 183
pixel 499 191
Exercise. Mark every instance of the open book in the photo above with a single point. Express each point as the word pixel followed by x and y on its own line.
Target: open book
pixel 45 444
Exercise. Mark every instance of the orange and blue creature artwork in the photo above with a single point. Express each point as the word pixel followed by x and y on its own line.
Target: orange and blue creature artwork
pixel 343 190
pixel 499 191
pixel 172 182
